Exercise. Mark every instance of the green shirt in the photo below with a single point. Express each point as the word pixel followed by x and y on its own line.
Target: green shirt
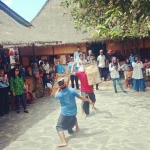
pixel 16 85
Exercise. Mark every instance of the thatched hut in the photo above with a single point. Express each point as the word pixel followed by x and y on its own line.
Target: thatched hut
pixel 55 26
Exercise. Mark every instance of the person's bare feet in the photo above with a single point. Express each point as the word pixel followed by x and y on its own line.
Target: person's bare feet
pixel 83 116
pixel 77 129
pixel 62 145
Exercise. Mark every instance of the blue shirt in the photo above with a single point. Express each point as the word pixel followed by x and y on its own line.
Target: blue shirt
pixel 131 58
pixel 67 101
pixel 75 69
pixel 60 69
pixel 3 84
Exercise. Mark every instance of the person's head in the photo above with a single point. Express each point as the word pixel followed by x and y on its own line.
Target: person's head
pixel 114 60
pixel 17 71
pixel 131 54
pixel 101 52
pixel 34 65
pixel 47 76
pixel 128 68
pixel 127 61
pixel 78 48
pixel 137 58
pixel 146 60
pixel 41 63
pixel 81 57
pixel 62 84
pixel 71 59
pixel 2 73
pixel 45 61
pixel 90 52
pixel 92 57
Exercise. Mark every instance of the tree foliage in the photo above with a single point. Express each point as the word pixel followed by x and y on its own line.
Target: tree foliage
pixel 113 19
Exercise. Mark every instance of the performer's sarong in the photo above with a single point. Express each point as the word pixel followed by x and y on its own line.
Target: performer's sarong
pixel 65 122
pixel 85 105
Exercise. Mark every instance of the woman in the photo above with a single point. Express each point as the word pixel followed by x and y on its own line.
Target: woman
pixel 138 81
pixel 17 88
pixel 39 87
pixel 4 100
pixel 114 68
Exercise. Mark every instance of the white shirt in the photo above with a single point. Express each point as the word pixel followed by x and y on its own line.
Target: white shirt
pixel 137 70
pixel 113 72
pixel 81 66
pixel 47 68
pixel 101 60
pixel 76 56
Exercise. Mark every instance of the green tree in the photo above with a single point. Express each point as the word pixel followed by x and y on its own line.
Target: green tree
pixel 113 19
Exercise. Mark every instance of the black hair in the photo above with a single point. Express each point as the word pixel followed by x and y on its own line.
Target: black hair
pixel 80 55
pixel 78 46
pixel 13 73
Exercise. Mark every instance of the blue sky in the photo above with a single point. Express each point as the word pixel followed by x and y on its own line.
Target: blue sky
pixel 25 8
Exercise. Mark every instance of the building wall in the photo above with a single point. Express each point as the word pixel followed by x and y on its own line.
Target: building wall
pixel 63 50
pixel 125 47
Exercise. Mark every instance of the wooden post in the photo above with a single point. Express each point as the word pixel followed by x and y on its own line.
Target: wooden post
pixel 34 54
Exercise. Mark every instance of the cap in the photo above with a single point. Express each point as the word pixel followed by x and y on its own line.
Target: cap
pixel 61 82
pixel 109 51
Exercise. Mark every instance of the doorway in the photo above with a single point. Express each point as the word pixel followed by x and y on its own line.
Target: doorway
pixel 96 47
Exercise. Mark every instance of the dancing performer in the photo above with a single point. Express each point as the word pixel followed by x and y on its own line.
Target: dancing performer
pixel 67 119
pixel 86 91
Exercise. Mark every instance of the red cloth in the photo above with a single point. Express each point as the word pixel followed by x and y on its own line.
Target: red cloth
pixel 84 82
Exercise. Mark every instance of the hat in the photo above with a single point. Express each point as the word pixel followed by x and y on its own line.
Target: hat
pixel 109 51
pixel 61 82
pixel 101 51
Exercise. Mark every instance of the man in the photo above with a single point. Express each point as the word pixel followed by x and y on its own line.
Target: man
pixel 73 77
pixel 76 55
pixel 67 119
pixel 102 64
pixel 82 62
pixel 86 91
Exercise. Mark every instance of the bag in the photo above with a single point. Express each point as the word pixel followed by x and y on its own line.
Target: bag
pixel 92 73
pixel 57 78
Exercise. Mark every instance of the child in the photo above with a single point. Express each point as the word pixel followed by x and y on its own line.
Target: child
pixel 129 77
pixel 48 84
pixel 28 93
pixel 131 58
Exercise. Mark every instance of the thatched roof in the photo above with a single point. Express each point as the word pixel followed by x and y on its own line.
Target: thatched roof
pixel 51 22
pixel 16 31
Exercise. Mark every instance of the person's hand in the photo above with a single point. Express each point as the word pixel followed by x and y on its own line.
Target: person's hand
pixel 14 94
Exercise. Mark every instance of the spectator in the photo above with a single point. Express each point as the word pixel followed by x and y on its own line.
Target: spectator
pixel 114 68
pixel 77 54
pixel 17 88
pixel 81 63
pixel 72 76
pixel 128 77
pixel 48 84
pixel 125 66
pixel 131 58
pixel 4 99
pixel 138 80
pixel 102 64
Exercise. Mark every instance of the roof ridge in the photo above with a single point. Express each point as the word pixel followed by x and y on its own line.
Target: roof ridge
pixel 13 14
pixel 46 3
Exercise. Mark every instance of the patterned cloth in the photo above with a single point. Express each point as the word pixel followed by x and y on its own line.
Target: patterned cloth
pixel 17 85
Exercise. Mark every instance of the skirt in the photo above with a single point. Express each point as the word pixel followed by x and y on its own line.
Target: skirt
pixel 139 84
pixel 66 122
